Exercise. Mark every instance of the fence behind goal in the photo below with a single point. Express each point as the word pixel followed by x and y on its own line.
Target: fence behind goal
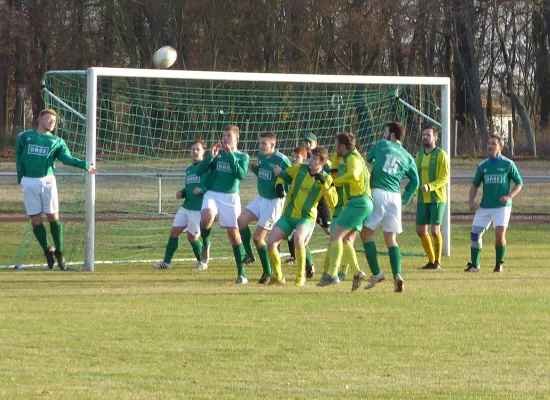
pixel 145 124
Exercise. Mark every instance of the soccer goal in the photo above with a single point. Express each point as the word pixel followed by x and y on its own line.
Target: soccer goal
pixel 137 125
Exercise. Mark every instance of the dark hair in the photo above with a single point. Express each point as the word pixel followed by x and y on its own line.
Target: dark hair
pixel 347 139
pixel 497 137
pixel 234 129
pixel 301 151
pixel 321 152
pixel 198 141
pixel 268 135
pixel 434 130
pixel 397 129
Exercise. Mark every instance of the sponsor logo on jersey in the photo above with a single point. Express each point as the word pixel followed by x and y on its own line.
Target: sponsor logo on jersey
pixel 264 174
pixel 222 166
pixel 190 179
pixel 38 150
pixel 493 179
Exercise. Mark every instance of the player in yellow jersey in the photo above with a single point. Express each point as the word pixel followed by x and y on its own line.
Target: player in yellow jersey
pixel 355 183
pixel 433 169
pixel 308 184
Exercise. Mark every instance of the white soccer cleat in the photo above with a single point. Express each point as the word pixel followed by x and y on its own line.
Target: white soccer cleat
pixel 241 280
pixel 200 266
pixel 375 279
pixel 162 265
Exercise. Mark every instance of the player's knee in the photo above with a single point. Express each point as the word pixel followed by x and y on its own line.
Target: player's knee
pixel 436 230
pixel 476 236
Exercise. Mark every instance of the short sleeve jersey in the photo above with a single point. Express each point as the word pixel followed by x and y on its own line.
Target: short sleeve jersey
pixel 266 177
pixel 496 174
pixel 194 180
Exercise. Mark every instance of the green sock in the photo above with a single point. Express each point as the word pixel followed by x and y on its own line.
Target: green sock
pixel 246 237
pixel 264 258
pixel 309 258
pixel 197 249
pixel 171 248
pixel 372 257
pixel 475 256
pixel 40 233
pixel 501 252
pixel 205 235
pixel 395 260
pixel 239 253
pixel 56 231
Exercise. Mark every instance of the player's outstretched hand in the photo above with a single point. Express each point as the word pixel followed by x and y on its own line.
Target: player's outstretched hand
pixel 320 178
pixel 276 170
pixel 280 191
pixel 92 169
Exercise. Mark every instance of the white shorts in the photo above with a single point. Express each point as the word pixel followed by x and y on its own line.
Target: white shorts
pixel 386 211
pixel 40 195
pixel 189 219
pixel 227 205
pixel 268 211
pixel 499 216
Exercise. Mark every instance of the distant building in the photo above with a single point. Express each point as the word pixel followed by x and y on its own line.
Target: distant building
pixel 500 125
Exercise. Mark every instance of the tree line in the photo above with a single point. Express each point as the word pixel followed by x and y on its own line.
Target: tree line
pixel 495 51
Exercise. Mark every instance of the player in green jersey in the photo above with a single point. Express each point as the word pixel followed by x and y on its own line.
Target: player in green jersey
pixel 495 173
pixel 355 183
pixel 226 166
pixel 36 151
pixel 188 216
pixel 308 184
pixel 433 170
pixel 267 207
pixel 391 163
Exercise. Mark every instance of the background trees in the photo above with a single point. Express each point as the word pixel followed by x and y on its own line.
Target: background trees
pixel 495 51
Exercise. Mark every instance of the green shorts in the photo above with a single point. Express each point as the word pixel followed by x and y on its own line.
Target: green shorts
pixel 429 213
pixel 354 213
pixel 289 225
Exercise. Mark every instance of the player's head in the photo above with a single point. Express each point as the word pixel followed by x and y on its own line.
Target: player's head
pixel 197 150
pixel 46 120
pixel 429 137
pixel 231 135
pixel 395 131
pixel 309 142
pixel 319 157
pixel 495 145
pixel 266 142
pixel 344 143
pixel 298 156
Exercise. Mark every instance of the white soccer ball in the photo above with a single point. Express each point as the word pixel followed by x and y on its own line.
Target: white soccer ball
pixel 165 57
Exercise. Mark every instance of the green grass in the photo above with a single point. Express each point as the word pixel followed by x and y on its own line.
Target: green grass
pixel 131 332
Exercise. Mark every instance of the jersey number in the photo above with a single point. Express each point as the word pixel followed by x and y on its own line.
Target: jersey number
pixel 391 165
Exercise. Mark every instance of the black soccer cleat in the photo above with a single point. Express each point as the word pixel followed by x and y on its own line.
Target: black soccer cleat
pixel 499 267
pixel 310 271
pixel 264 280
pixel 60 260
pixel 471 268
pixel 431 266
pixel 50 256
pixel 248 259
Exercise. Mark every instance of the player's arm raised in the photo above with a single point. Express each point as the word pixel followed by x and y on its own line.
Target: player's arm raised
pixel 239 166
pixel 204 165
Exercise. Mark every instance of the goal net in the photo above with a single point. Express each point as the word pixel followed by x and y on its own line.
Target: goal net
pixel 138 126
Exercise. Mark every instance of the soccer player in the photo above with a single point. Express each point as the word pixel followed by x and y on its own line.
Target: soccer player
pixel 433 170
pixel 188 216
pixel 391 162
pixel 227 167
pixel 355 183
pixel 36 151
pixel 308 184
pixel 495 173
pixel 267 207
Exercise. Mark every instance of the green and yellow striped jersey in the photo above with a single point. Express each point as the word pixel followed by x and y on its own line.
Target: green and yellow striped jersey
pixel 355 179
pixel 305 192
pixel 433 170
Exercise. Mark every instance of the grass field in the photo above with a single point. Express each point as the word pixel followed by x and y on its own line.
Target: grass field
pixel 131 332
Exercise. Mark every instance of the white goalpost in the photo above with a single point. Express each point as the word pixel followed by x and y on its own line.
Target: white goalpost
pixel 92 103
